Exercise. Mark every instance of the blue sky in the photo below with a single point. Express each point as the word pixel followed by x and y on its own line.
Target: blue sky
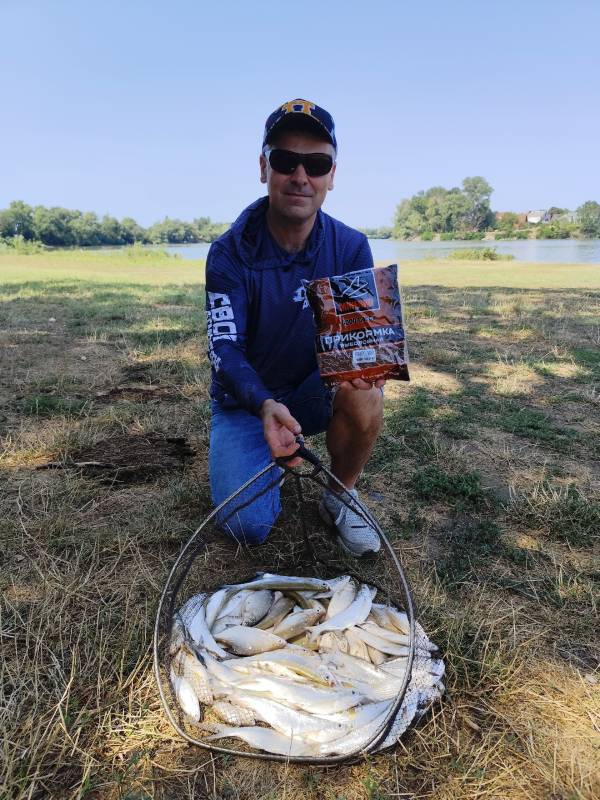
pixel 151 108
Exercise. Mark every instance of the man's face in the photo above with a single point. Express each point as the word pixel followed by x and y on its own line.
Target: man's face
pixel 297 197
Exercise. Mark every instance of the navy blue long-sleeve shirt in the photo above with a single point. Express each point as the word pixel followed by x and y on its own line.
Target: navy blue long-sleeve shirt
pixel 260 327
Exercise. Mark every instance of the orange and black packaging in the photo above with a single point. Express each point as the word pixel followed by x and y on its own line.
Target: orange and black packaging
pixel 360 332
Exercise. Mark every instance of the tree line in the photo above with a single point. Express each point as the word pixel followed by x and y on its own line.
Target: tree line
pixel 457 213
pixel 63 227
pixel 466 213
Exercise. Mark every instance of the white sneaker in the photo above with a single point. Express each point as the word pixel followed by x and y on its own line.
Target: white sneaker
pixel 355 534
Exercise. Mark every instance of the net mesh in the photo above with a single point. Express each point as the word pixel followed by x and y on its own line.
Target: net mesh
pixel 299 544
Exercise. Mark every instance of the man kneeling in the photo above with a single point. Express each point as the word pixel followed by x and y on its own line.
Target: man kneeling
pixel 266 387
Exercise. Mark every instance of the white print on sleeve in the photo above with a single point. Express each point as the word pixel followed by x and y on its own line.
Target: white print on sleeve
pixel 220 324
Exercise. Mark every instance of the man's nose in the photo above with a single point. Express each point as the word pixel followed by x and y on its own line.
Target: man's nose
pixel 299 174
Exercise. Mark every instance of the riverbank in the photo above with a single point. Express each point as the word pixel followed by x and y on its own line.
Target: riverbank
pixel 158 270
pixel 543 251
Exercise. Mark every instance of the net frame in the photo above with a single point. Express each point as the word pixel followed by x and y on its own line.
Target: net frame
pixel 198 545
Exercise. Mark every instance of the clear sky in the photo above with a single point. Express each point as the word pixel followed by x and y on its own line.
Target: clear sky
pixel 149 108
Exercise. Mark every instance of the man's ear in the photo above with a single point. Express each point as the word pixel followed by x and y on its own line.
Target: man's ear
pixel 331 174
pixel 263 169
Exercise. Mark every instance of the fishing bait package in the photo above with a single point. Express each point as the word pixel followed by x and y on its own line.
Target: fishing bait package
pixel 360 331
pixel 292 650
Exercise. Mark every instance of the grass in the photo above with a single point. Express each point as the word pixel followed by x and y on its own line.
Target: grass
pixel 434 483
pixel 564 513
pixel 485 476
pixel 482 254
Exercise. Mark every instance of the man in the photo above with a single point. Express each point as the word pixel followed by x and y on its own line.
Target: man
pixel 266 387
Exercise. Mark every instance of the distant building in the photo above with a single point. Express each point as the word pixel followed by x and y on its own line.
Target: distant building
pixel 565 216
pixel 535 217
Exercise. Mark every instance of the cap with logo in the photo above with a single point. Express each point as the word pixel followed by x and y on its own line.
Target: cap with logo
pixel 304 113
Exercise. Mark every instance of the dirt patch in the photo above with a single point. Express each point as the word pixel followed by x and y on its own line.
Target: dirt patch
pixel 138 393
pixel 130 459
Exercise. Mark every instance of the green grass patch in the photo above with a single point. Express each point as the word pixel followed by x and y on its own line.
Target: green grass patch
pixel 533 424
pixel 434 483
pixel 469 546
pixel 476 254
pixel 416 405
pixel 565 514
pixel 51 405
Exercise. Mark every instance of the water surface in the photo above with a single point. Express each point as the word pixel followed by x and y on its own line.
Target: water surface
pixel 547 251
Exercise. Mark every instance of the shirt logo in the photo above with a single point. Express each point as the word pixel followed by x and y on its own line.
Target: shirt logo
pixel 300 296
pixel 354 292
pixel 220 324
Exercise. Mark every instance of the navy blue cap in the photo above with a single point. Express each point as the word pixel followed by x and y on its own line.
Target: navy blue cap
pixel 305 110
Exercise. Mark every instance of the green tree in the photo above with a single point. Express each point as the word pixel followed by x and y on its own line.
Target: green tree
pixel 17 220
pixel 53 226
pixel 507 222
pixel 86 230
pixel 588 215
pixel 111 231
pixel 478 192
pixel 131 232
pixel 455 208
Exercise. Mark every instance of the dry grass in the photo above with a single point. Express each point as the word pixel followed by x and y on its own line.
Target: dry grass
pixel 486 478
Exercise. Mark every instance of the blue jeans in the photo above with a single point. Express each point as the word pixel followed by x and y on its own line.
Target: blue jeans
pixel 238 451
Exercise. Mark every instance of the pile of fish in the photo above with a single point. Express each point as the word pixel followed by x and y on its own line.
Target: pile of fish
pixel 316 663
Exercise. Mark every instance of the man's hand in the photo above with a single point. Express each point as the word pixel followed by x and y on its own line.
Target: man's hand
pixel 358 383
pixel 280 430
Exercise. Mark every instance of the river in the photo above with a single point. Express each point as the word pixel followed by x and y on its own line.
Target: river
pixel 549 251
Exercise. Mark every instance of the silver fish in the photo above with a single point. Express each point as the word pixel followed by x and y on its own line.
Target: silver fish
pixel 222 673
pixel 380 616
pixel 189 609
pixel 302 663
pixel 362 715
pixel 233 715
pixel 399 619
pixel 357 739
pixel 281 606
pixel 307 698
pixel 186 665
pixel 214 606
pixel 295 624
pixel 232 607
pixel 356 613
pixel 395 666
pixel 225 622
pixel 316 699
pixel 274 668
pixel 281 582
pixel 376 656
pixel 248 641
pixel 332 640
pixel 299 598
pixel 381 644
pixel 335 584
pixel 256 605
pixel 291 722
pixel 355 668
pixel 193 616
pixel 268 740
pixel 384 633
pixel 186 697
pixel 341 599
pixel 357 646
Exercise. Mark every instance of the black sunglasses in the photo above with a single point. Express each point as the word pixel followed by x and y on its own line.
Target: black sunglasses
pixel 286 161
